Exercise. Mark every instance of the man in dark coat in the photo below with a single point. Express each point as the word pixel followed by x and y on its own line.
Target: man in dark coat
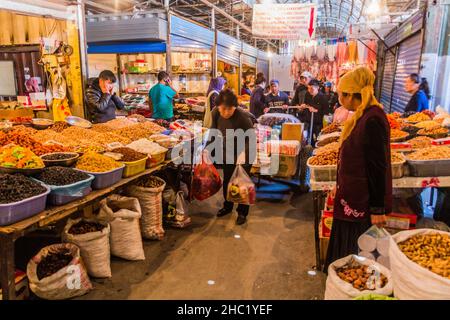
pixel 102 101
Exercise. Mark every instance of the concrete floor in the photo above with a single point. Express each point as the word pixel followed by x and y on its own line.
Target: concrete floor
pixel 270 260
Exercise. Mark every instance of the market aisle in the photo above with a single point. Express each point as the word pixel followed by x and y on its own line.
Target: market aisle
pixel 270 260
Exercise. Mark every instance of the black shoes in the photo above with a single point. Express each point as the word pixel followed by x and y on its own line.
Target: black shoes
pixel 241 220
pixel 223 212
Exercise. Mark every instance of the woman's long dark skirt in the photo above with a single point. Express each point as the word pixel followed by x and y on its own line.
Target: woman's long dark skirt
pixel 344 239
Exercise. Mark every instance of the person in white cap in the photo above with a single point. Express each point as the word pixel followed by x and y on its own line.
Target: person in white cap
pixel 302 89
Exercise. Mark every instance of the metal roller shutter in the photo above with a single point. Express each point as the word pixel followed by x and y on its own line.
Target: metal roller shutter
pixel 263 66
pixel 408 61
pixel 249 61
pixel 189 30
pixel 228 56
pixel 388 81
pixel 178 42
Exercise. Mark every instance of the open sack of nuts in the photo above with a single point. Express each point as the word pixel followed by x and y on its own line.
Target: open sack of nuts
pixel 354 276
pixel 420 264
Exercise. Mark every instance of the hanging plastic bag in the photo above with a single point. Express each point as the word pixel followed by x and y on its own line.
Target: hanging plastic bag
pixel 241 188
pixel 94 247
pixel 206 181
pixel 177 216
pixel 123 215
pixel 61 109
pixel 68 282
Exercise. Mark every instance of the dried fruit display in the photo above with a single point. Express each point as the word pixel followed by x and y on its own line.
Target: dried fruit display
pixel 361 277
pixel 334 127
pixel 420 142
pixel 94 162
pixel 19 158
pixel 397 157
pixel 394 124
pixel 150 182
pixel 428 124
pixel 431 153
pixel 433 131
pixel 418 117
pixel 59 126
pixel 326 141
pixel 26 141
pixel 61 176
pixel 334 146
pixel 129 155
pixel 431 251
pixel 328 158
pixel 14 188
pixel 398 134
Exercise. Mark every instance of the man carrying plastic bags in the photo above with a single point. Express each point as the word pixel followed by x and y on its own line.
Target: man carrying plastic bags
pixel 237 137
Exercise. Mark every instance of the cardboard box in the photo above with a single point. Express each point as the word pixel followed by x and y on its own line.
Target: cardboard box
pixel 326 222
pixel 292 131
pixel 287 166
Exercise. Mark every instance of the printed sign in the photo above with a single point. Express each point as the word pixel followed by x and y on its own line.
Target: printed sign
pixel 284 21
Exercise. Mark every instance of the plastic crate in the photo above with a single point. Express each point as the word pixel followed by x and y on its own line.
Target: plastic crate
pixel 134 168
pixel 323 173
pixel 60 195
pixel 13 212
pixel 105 179
pixel 157 158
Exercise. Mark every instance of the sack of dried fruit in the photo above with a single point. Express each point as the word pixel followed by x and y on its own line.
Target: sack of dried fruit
pixel 354 276
pixel 57 272
pixel 149 193
pixel 123 215
pixel 92 238
pixel 420 264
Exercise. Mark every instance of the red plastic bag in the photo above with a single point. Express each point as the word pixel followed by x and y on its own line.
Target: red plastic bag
pixel 206 181
pixel 241 188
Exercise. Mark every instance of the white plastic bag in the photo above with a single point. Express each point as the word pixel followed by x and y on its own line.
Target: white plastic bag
pixel 68 282
pixel 123 215
pixel 374 239
pixel 150 200
pixel 412 281
pixel 241 188
pixel 94 248
pixel 177 216
pixel 338 289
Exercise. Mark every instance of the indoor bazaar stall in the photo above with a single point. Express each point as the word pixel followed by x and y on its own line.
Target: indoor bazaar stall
pixel 420 159
pixel 67 171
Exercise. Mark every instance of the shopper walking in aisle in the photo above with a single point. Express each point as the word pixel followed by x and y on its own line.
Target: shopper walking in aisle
pixel 363 193
pixel 317 103
pixel 215 86
pixel 302 89
pixel 276 98
pixel 258 99
pixel 101 99
pixel 161 97
pixel 227 118
pixel 420 91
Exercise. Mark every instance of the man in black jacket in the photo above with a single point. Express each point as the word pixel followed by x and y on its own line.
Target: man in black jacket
pixel 101 99
pixel 302 89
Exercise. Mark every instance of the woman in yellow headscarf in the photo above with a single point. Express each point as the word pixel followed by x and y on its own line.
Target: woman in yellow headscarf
pixel 363 193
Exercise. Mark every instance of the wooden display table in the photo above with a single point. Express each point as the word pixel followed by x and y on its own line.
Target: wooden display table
pixel 9 234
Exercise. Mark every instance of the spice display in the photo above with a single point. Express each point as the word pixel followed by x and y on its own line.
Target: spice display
pixel 94 162
pixel 61 176
pixel 431 251
pixel 59 126
pixel 129 155
pixel 57 156
pixel 20 158
pixel 361 277
pixel 53 262
pixel 433 131
pixel 431 153
pixel 418 117
pixel 85 149
pixel 150 182
pixel 397 157
pixel 427 124
pixel 420 142
pixel 26 141
pixel 334 127
pixel 327 158
pixel 16 187
pixel 140 130
pixel 147 147
pixel 84 227
pixel 398 134
pixel 326 141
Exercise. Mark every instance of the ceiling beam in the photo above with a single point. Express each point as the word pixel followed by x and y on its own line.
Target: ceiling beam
pixel 101 6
